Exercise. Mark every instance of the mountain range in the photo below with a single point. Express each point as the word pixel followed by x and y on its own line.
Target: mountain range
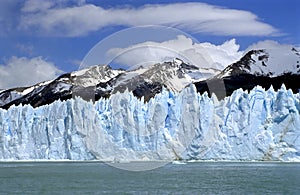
pixel 264 67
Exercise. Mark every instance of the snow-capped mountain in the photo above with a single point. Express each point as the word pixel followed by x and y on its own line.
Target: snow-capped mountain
pixel 59 88
pixel 94 75
pixel 265 62
pixel 175 76
pixel 271 67
pixel 102 81
pixel 11 95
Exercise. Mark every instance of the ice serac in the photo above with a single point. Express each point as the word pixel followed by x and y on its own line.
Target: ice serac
pixel 259 125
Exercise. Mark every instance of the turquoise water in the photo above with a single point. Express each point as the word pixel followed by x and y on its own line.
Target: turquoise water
pixel 191 178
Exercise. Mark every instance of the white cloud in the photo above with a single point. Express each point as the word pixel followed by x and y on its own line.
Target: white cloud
pixel 269 44
pixel 205 55
pixel 23 71
pixel 37 5
pixel 83 18
pixel 43 5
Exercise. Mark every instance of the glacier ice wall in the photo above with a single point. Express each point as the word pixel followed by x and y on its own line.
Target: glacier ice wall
pixel 259 125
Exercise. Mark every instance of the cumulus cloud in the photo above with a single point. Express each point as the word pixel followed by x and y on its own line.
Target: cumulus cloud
pixel 270 44
pixel 204 55
pixel 82 18
pixel 23 71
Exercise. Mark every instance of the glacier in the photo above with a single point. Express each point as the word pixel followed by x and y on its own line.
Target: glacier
pixel 256 125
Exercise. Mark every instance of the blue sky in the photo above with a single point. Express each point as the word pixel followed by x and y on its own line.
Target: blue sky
pixel 58 34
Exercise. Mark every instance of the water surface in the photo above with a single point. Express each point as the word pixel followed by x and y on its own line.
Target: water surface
pixel 190 178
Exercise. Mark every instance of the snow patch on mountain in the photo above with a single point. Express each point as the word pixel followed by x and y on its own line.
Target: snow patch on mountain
pixel 275 62
pixel 10 95
pixel 94 75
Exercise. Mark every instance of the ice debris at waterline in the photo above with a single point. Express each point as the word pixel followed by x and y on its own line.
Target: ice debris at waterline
pixel 259 125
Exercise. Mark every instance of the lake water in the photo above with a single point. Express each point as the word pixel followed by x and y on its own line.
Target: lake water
pixel 190 178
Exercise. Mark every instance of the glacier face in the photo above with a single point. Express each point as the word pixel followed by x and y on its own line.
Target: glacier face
pixel 259 125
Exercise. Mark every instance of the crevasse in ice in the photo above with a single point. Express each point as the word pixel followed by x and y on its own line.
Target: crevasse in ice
pixel 259 125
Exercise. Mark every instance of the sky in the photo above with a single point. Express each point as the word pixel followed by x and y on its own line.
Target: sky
pixel 41 39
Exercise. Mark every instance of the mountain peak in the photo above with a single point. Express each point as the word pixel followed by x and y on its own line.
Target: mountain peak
pixel 177 61
pixel 266 62
pixel 95 74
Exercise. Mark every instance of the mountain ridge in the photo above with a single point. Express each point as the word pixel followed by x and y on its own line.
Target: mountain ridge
pixel 102 81
pixel 256 67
